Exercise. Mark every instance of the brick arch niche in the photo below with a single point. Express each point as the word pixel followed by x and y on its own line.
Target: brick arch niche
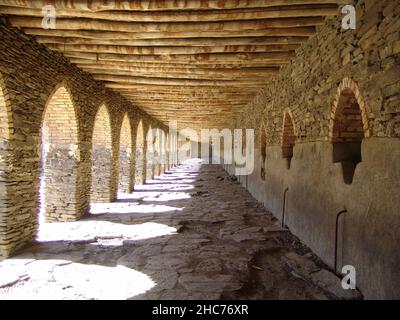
pixel 263 149
pixel 139 155
pixel 348 128
pixel 125 156
pixel 288 137
pixel 101 157
pixel 59 159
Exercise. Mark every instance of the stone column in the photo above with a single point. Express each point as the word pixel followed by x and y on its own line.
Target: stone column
pixel 60 183
pixel 101 174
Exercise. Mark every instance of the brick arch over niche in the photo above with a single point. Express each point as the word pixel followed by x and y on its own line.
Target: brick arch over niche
pixel 288 136
pixel 263 148
pixel 101 157
pixel 348 127
pixel 125 155
pixel 60 156
pixel 345 87
pixel 139 155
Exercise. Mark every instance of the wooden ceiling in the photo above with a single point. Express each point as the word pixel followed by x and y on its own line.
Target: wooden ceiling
pixel 197 62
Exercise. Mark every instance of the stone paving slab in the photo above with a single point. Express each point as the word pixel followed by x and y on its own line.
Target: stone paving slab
pixel 192 233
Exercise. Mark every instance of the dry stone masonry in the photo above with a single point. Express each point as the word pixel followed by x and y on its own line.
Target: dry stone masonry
pixel 35 84
pixel 342 92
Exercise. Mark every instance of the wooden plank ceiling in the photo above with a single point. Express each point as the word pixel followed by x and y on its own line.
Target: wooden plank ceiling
pixel 197 62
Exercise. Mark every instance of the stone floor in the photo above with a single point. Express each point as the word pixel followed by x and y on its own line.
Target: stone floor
pixel 192 233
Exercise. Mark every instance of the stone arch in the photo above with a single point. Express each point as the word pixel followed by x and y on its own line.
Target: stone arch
pixel 139 155
pixel 60 156
pixel 149 153
pixel 163 144
pixel 263 149
pixel 348 127
pixel 6 233
pixel 101 157
pixel 125 156
pixel 167 152
pixel 288 137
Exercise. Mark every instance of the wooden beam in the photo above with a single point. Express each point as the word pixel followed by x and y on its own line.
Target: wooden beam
pixel 95 34
pixel 186 16
pixel 170 50
pixel 170 65
pixel 166 86
pixel 177 82
pixel 192 58
pixel 202 42
pixel 265 71
pixel 157 5
pixel 185 75
pixel 242 25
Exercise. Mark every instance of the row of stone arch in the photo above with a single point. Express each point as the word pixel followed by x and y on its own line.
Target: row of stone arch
pixel 64 173
pixel 348 126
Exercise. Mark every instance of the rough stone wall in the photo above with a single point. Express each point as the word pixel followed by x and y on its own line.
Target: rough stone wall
pixel 367 62
pixel 125 153
pixel 30 73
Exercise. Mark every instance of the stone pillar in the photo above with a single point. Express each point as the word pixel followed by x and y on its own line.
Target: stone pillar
pixel 139 165
pixel 124 169
pixel 101 174
pixel 60 183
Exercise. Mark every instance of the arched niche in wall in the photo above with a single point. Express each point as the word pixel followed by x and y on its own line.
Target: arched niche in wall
pixel 60 156
pixel 125 154
pixel 288 137
pixel 101 157
pixel 139 155
pixel 348 128
pixel 263 149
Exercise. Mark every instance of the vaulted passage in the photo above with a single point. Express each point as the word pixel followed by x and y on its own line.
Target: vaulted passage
pixel 200 149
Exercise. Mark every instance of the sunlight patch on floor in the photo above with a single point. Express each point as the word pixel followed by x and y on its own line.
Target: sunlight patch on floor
pixel 69 280
pixel 101 231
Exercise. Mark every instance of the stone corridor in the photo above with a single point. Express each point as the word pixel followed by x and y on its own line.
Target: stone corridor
pixel 191 233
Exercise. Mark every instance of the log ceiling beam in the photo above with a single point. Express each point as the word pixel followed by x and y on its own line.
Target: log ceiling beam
pixel 156 5
pixel 113 35
pixel 188 16
pixel 197 62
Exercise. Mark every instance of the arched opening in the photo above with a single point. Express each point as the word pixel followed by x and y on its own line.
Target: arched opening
pixel 125 151
pixel 101 157
pixel 288 139
pixel 139 155
pixel 149 154
pixel 347 134
pixel 263 149
pixel 59 159
pixel 157 152
pixel 167 152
